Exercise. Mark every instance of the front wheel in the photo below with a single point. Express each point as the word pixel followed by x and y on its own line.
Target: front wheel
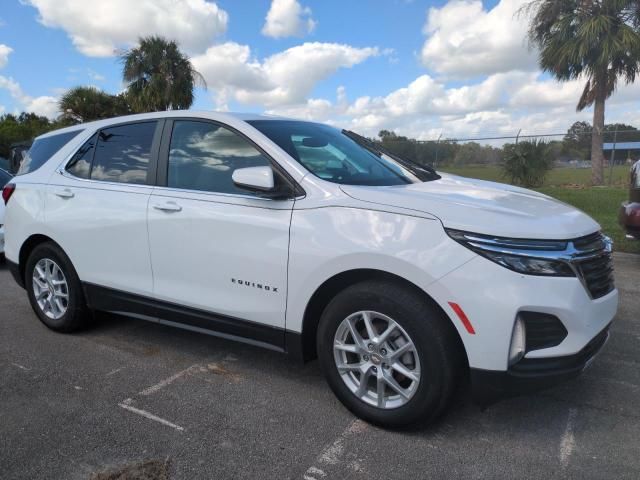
pixel 388 354
pixel 54 290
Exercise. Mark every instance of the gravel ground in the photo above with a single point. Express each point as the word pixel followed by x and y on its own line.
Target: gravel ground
pixel 130 399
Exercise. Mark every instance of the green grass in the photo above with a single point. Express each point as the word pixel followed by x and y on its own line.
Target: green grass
pixel 571 185
pixel 556 177
pixel 601 203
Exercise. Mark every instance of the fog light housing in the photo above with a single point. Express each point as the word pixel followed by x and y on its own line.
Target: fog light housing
pixel 518 342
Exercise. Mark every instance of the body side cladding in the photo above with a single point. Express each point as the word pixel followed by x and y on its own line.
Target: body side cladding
pixel 111 300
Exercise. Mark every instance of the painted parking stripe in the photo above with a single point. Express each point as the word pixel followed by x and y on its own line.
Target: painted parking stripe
pixel 168 381
pixel 126 405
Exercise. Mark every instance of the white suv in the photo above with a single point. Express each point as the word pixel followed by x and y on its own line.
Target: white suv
pixel 305 239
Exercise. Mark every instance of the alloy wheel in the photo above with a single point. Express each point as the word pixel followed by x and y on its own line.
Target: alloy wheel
pixel 376 359
pixel 50 288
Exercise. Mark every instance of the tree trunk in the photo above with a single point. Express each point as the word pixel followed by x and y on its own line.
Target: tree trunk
pixel 597 135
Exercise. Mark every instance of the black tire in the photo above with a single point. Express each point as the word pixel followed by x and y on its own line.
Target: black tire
pixel 77 314
pixel 436 341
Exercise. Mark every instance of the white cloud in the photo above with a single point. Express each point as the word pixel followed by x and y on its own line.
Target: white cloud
pixel 547 94
pixel 316 109
pixel 95 76
pixel 285 78
pixel 464 40
pixel 97 29
pixel 287 18
pixel 428 96
pixel 43 105
pixel 4 54
pixel 502 104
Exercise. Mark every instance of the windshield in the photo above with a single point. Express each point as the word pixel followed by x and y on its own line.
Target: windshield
pixel 340 156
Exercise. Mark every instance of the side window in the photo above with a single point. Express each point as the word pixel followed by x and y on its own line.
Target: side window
pixel 43 149
pixel 122 153
pixel 80 164
pixel 203 156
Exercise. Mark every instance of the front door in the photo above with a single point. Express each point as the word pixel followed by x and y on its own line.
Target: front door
pixel 215 248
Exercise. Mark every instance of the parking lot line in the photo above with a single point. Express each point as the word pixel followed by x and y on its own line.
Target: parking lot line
pixel 168 381
pixel 22 367
pixel 568 442
pixel 334 453
pixel 126 405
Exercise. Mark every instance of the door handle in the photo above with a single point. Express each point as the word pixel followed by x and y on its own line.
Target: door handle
pixel 168 207
pixel 64 193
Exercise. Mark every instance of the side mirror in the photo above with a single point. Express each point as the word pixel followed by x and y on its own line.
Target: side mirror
pixel 254 178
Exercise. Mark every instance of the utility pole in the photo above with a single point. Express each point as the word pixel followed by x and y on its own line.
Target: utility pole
pixel 613 155
pixel 435 164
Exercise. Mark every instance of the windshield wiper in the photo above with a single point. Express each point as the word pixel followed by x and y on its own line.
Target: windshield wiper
pixel 423 172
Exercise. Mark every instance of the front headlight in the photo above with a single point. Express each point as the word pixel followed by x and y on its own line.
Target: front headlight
pixel 531 257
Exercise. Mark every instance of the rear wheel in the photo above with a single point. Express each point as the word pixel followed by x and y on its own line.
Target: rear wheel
pixel 54 290
pixel 388 354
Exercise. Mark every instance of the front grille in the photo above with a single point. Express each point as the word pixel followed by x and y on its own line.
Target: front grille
pixel 596 271
pixel 591 243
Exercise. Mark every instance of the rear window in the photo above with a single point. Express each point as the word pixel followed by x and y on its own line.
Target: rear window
pixel 43 149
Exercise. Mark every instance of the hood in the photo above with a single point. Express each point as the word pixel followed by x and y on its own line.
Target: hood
pixel 484 207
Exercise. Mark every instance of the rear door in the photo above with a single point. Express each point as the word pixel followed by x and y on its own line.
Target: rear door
pixel 96 207
pixel 216 248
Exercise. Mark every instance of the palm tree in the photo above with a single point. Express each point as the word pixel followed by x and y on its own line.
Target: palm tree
pixel 159 76
pixel 84 104
pixel 594 40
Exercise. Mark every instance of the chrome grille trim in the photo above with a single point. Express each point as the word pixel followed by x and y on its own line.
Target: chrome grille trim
pixel 581 254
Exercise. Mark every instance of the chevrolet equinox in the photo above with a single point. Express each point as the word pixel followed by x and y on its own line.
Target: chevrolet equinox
pixel 314 241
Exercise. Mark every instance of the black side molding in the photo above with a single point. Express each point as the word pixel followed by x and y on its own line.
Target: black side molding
pixel 167 313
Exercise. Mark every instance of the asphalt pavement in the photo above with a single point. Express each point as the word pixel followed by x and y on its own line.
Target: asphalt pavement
pixel 131 399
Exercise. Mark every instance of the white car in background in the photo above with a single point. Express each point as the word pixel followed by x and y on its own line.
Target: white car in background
pixel 302 238
pixel 4 179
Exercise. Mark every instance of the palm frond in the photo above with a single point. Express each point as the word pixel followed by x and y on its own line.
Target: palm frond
pixel 159 76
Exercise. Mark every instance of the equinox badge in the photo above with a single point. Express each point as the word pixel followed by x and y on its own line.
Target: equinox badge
pixel 261 286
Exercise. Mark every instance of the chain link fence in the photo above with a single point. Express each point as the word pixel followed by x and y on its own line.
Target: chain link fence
pixel 569 150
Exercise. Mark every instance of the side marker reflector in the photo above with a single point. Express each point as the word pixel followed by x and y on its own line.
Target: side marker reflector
pixel 463 317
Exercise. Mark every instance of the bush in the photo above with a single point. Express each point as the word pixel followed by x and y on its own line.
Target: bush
pixel 527 163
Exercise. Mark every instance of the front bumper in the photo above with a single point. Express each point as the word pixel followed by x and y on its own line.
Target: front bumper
pixel 532 374
pixel 492 296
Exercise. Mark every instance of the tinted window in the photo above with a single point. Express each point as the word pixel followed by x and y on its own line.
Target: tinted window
pixel 122 153
pixel 43 149
pixel 331 155
pixel 80 164
pixel 203 156
pixel 4 178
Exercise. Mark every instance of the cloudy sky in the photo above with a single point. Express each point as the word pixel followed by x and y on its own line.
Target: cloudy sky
pixel 456 68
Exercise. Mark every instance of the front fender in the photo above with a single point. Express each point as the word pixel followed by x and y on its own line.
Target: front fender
pixel 328 241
